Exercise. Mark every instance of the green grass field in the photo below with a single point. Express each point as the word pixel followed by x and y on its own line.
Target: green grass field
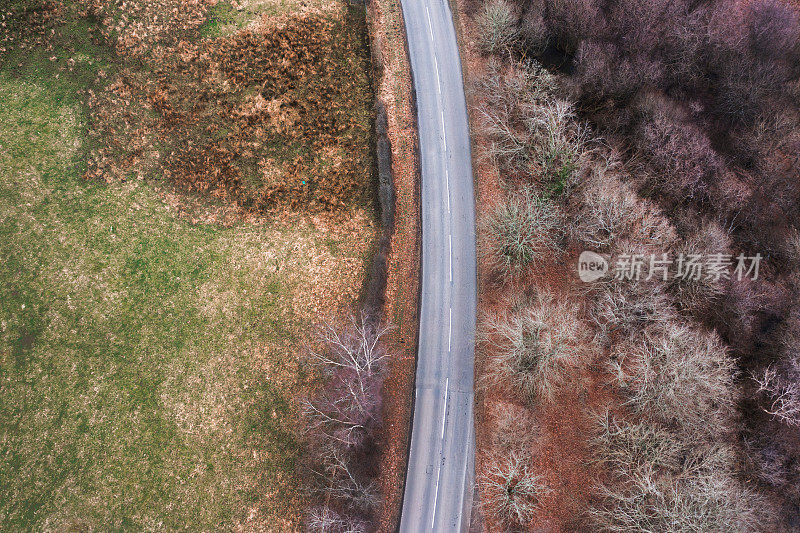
pixel 147 365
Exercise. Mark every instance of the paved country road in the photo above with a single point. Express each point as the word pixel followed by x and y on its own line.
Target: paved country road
pixel 439 480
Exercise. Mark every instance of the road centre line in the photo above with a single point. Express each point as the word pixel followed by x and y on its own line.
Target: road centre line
pixel 444 408
pixel 438 79
pixel 444 132
pixel 450 331
pixel 450 239
pixel 447 184
pixel 430 28
pixel 436 494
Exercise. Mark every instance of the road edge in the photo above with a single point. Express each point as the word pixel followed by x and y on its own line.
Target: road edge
pixel 403 253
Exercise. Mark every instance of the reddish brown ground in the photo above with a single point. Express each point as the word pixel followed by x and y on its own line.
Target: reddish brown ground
pixel 393 86
pixel 560 452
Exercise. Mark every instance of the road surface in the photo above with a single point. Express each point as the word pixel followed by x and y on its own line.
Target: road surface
pixel 439 480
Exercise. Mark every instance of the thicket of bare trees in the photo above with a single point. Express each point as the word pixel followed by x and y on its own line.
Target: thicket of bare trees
pixel 697 107
pixel 706 93
pixel 669 485
pixel 342 417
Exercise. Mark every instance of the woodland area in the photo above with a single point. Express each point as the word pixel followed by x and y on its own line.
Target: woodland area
pixel 637 128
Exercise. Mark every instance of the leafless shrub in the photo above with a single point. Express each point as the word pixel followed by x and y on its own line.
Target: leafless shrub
pixel 752 304
pixel 521 231
pixel 508 96
pixel 771 462
pixel 326 520
pixel 636 449
pixel 629 449
pixel 533 134
pixel 679 149
pixel 774 29
pixel 558 145
pixel 630 309
pixel 497 27
pixel 510 491
pixel 793 249
pixel 696 293
pixel 605 212
pixel 343 481
pixel 662 482
pixel 604 71
pixel 681 376
pixel 535 349
pixel 572 20
pixel 515 427
pixel 610 211
pixel 667 505
pixel 534 33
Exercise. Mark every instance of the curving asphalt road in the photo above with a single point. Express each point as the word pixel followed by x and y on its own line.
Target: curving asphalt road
pixel 439 480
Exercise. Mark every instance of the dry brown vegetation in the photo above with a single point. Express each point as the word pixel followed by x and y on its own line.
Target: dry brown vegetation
pixel 656 424
pixel 275 115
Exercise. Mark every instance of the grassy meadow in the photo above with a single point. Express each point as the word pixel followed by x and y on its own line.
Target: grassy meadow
pixel 148 364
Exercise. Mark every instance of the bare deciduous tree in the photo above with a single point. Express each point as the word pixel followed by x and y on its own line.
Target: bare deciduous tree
pixel 535 349
pixel 521 231
pixel 657 372
pixel 498 26
pixel 326 520
pixel 783 391
pixel 341 419
pixel 510 491
pixel 353 359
